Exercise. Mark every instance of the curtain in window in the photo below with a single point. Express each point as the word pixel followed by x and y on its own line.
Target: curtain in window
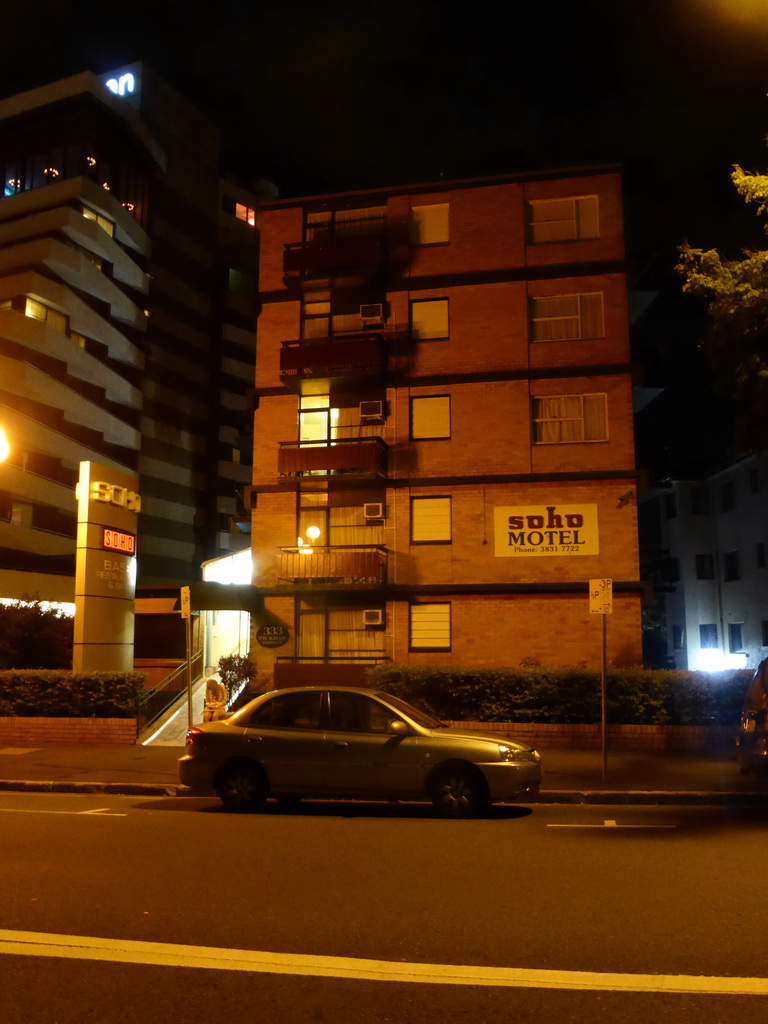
pixel 558 419
pixel 311 639
pixel 595 426
pixel 429 224
pixel 591 314
pixel 430 519
pixel 347 636
pixel 587 216
pixel 555 317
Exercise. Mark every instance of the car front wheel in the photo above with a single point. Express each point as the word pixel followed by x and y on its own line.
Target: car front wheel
pixel 242 788
pixel 459 793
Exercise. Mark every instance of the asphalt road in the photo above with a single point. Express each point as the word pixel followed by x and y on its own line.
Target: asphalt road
pixel 122 908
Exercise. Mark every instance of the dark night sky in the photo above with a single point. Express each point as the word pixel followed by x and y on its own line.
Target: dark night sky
pixel 337 95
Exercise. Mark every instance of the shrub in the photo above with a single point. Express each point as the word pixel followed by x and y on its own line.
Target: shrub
pixel 32 636
pixel 533 693
pixel 64 694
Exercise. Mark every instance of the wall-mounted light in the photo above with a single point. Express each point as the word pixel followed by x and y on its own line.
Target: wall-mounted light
pixel 5 448
pixel 626 499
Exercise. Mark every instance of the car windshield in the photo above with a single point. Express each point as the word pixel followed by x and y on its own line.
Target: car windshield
pixel 419 717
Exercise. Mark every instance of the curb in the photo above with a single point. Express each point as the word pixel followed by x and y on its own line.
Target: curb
pixel 552 796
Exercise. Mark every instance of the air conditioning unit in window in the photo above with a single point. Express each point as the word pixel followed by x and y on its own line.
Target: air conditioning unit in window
pixel 373 510
pixel 371 410
pixel 372 312
pixel 373 617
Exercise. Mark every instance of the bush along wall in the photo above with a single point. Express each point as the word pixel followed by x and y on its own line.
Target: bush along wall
pixel 634 696
pixel 57 693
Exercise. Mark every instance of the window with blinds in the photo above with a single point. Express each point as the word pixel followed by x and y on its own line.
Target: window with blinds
pixel 431 417
pixel 570 219
pixel 430 519
pixel 430 627
pixel 562 419
pixel 323 225
pixel 566 317
pixel 429 319
pixel 429 224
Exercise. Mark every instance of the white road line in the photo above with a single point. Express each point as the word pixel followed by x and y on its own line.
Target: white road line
pixel 101 812
pixel 164 954
pixel 609 824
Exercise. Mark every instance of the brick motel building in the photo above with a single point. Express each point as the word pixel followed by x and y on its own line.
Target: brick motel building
pixel 443 438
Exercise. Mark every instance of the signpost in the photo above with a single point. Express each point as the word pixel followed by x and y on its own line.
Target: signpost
pixel 185 614
pixel 601 603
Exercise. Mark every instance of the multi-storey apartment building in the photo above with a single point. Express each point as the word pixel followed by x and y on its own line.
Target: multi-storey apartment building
pixel 443 429
pixel 127 319
pixel 710 535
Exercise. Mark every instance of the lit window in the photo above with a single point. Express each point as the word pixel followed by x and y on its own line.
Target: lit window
pixel 430 519
pixel 38 311
pixel 560 419
pixel 567 317
pixel 5 304
pixel 79 339
pixel 431 626
pixel 429 224
pixel 431 417
pixel 563 220
pixel 245 213
pixel 429 319
pixel 97 218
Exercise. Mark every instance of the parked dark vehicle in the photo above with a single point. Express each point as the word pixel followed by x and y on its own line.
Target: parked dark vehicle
pixel 752 744
pixel 354 744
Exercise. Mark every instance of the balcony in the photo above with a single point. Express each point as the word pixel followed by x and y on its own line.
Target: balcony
pixel 358 456
pixel 352 358
pixel 355 566
pixel 329 256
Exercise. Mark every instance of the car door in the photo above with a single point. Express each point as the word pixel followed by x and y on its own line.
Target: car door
pixel 285 735
pixel 363 757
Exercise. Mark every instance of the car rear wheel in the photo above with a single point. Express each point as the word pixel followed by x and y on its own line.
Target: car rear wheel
pixel 459 793
pixel 242 788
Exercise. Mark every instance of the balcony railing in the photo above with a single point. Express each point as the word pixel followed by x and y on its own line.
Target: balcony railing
pixel 344 253
pixel 361 456
pixel 355 565
pixel 351 357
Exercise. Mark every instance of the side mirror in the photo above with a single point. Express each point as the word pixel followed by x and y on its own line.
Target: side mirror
pixel 398 728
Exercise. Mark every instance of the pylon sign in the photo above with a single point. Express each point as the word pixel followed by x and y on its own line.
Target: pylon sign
pixel 105 579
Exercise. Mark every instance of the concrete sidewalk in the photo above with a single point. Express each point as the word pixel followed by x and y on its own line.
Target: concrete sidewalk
pixel 570 775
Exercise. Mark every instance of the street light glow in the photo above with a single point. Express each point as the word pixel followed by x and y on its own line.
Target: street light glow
pixel 5 448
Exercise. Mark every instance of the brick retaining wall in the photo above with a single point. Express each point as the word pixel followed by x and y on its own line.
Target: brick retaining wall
pixel 664 737
pixel 18 730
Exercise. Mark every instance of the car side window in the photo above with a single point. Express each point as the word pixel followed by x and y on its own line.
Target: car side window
pixel 352 712
pixel 290 711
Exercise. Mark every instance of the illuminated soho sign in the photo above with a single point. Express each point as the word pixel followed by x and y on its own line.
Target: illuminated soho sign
pixel 120 86
pixel 545 530
pixel 111 494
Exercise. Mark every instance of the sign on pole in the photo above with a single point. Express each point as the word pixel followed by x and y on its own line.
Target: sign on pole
pixel 601 597
pixel 185 602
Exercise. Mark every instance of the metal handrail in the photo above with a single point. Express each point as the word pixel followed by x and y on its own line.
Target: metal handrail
pixel 159 706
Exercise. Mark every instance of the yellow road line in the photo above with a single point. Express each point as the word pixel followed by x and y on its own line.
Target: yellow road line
pixel 81 947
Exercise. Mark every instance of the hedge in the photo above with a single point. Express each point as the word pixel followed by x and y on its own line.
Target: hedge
pixel 58 693
pixel 634 696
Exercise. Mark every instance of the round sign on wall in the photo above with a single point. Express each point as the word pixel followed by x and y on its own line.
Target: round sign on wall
pixel 272 636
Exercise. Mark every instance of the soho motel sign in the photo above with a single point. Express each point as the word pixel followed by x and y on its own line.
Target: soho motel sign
pixel 105 578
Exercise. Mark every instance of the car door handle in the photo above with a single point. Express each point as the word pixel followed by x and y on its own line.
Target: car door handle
pixel 254 739
pixel 341 743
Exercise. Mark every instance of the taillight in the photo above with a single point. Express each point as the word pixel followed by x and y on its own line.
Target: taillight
pixel 192 733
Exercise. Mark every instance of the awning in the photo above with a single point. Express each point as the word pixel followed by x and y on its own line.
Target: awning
pixel 225 597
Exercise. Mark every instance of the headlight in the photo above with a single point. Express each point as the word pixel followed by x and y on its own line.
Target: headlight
pixel 515 754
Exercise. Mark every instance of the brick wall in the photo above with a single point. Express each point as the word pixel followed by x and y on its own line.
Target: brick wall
pixel 680 737
pixel 15 730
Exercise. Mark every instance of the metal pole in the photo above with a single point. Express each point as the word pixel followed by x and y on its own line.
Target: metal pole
pixel 189 669
pixel 603 702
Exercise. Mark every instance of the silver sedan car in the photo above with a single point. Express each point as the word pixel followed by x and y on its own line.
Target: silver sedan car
pixel 348 743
